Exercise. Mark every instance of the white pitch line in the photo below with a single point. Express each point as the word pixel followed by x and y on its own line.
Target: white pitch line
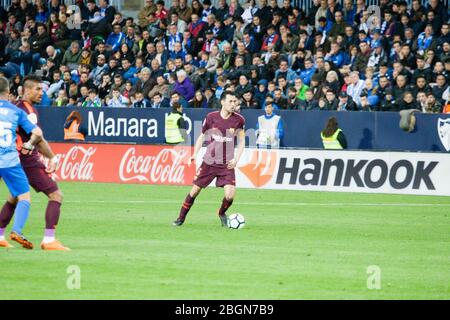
pixel 262 203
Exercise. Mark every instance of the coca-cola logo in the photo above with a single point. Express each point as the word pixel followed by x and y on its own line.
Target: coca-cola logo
pixel 75 164
pixel 165 167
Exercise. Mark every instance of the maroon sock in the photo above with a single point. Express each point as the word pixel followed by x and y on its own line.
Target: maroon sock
pixel 187 204
pixel 225 205
pixel 52 214
pixel 6 214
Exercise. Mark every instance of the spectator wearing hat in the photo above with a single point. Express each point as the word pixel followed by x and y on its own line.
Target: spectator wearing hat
pixel 210 41
pixel 261 91
pixel 272 38
pixel 377 56
pixel 228 28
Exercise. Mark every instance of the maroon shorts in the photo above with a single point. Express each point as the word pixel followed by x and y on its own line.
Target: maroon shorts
pixel 40 180
pixel 206 174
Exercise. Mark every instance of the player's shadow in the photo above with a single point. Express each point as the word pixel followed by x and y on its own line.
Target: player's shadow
pixel 366 140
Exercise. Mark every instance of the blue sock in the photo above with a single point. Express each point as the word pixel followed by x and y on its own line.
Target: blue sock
pixel 21 215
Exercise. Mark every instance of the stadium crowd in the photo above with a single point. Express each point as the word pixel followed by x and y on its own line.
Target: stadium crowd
pixel 335 56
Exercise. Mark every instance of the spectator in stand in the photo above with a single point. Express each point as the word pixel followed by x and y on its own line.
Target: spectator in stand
pixel 139 101
pixel 159 101
pixel 184 85
pixel 92 101
pixel 117 100
pixel 355 88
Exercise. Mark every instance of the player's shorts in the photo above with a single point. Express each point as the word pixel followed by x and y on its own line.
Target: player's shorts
pixel 15 179
pixel 206 174
pixel 40 180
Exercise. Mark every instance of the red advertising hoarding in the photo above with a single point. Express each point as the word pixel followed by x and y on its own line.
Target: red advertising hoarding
pixel 143 164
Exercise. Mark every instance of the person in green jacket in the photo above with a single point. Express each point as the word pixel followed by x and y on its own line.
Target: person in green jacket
pixel 175 131
pixel 332 136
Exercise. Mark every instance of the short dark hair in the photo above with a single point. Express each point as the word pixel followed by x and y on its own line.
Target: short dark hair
pixel 31 79
pixel 225 94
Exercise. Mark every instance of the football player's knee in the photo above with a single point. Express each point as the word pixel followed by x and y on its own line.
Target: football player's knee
pixel 195 191
pixel 229 196
pixel 56 196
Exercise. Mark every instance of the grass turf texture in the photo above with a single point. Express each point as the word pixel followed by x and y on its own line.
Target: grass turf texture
pixel 295 245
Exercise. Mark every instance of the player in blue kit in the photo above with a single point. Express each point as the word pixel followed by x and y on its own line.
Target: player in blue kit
pixel 10 168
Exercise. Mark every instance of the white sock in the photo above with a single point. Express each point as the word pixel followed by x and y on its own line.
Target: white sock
pixel 2 238
pixel 48 239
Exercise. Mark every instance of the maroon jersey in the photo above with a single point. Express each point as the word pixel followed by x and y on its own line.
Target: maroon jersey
pixel 32 160
pixel 220 135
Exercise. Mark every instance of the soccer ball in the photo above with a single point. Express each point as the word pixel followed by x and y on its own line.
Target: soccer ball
pixel 236 221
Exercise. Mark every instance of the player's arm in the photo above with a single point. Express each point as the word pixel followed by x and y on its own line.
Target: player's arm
pixel 45 149
pixel 35 138
pixel 240 149
pixel 30 128
pixel 197 147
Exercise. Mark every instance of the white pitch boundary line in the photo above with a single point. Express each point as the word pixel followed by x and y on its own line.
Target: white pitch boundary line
pixel 262 203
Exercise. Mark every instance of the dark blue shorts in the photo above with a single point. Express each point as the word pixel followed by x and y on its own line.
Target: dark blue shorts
pixel 15 180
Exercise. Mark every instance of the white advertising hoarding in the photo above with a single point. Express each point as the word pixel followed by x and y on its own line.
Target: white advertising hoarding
pixel 345 171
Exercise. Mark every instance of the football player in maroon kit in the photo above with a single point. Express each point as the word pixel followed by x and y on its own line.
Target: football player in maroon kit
pixel 37 173
pixel 220 128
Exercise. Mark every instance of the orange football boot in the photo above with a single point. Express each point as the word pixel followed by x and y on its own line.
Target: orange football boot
pixel 20 239
pixel 54 245
pixel 5 244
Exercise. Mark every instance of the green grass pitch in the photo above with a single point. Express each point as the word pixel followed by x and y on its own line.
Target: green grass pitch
pixel 295 245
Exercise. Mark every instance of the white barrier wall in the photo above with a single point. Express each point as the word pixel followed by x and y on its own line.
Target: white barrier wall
pixel 345 171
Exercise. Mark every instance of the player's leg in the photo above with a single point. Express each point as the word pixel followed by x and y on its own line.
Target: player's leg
pixel 17 183
pixel 203 177
pixel 42 182
pixel 227 180
pixel 227 201
pixel 52 214
pixel 187 204
pixel 6 214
